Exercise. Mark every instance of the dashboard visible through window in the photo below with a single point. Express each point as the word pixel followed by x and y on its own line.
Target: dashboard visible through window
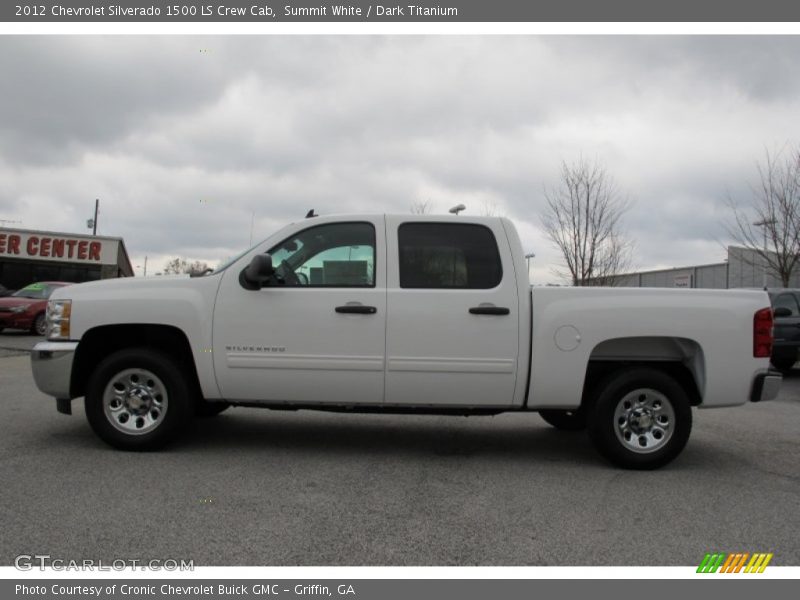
pixel 335 255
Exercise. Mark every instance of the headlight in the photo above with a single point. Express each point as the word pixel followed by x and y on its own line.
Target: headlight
pixel 19 309
pixel 58 315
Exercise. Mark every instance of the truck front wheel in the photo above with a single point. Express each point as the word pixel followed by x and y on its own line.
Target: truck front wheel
pixel 641 419
pixel 138 399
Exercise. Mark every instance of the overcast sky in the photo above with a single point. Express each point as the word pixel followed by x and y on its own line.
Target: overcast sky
pixel 184 138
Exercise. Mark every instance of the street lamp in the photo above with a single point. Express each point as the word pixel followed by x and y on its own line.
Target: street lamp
pixel 764 223
pixel 528 257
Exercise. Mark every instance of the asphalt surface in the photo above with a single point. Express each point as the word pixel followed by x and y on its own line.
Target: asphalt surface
pixel 256 487
pixel 15 343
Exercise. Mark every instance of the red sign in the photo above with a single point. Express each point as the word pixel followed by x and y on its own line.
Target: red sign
pixel 44 246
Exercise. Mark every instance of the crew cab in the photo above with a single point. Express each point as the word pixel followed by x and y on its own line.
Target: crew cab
pixel 403 314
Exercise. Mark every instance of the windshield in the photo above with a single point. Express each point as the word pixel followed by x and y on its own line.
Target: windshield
pixel 230 261
pixel 227 263
pixel 36 291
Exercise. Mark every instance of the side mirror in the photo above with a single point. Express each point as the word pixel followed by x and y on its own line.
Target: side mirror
pixel 781 312
pixel 257 273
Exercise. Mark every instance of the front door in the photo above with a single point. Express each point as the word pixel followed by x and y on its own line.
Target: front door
pixel 316 333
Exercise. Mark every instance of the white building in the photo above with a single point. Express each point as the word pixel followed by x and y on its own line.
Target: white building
pixel 28 256
pixel 744 268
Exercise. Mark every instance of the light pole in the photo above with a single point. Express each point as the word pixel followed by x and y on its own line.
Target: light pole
pixel 145 267
pixel 92 223
pixel 528 257
pixel 764 223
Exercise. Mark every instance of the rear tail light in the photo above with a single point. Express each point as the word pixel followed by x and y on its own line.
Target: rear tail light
pixel 762 333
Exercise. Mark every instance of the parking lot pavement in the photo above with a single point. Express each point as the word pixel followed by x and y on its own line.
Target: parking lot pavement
pixel 255 487
pixel 14 342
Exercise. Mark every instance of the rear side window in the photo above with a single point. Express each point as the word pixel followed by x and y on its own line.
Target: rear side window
pixel 448 255
pixel 786 301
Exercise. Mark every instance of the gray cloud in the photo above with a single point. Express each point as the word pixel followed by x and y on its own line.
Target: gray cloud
pixel 185 138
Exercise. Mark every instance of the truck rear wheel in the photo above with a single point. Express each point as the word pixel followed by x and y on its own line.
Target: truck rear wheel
pixel 138 399
pixel 641 419
pixel 565 420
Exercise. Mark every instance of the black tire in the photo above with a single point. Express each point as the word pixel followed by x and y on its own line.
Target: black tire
pixel 783 364
pixel 565 420
pixel 642 397
pixel 140 376
pixel 205 409
pixel 39 326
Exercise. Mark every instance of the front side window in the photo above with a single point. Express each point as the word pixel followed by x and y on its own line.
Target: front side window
pixel 448 255
pixel 335 255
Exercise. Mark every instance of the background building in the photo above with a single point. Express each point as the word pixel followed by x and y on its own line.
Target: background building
pixel 744 268
pixel 28 256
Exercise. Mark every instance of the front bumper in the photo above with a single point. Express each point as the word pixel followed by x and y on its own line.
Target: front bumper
pixel 51 363
pixel 766 386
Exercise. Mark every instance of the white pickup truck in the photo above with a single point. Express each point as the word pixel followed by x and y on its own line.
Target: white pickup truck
pixel 403 314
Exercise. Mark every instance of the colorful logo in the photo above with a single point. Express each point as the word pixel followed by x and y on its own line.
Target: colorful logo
pixel 735 563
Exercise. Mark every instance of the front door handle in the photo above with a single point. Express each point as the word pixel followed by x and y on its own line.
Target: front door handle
pixel 489 310
pixel 356 309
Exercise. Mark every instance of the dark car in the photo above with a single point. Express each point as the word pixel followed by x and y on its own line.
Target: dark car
pixel 786 308
pixel 4 291
pixel 25 308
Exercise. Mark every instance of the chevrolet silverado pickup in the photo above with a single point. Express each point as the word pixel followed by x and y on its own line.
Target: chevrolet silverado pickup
pixel 403 314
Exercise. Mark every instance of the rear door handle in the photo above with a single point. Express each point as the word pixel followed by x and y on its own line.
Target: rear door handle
pixel 489 310
pixel 356 309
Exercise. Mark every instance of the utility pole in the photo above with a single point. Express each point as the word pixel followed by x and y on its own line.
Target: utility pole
pixel 145 266
pixel 94 223
pixel 252 222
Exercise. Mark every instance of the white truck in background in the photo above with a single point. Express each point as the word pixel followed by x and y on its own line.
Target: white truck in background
pixel 403 314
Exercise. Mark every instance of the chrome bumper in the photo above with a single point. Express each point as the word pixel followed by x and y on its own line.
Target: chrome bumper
pixel 766 386
pixel 51 363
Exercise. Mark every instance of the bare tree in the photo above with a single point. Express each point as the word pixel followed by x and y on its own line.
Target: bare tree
pixel 489 209
pixel 176 266
pixel 771 226
pixel 421 207
pixel 583 219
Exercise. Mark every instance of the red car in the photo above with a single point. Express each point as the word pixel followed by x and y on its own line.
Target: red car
pixel 25 308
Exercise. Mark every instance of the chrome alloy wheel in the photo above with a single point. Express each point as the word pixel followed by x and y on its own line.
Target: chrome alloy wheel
pixel 644 420
pixel 40 325
pixel 135 401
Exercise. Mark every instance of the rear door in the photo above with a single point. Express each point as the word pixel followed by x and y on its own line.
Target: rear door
pixel 452 336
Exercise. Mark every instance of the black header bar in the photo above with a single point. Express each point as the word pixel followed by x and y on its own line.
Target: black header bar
pixel 417 11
